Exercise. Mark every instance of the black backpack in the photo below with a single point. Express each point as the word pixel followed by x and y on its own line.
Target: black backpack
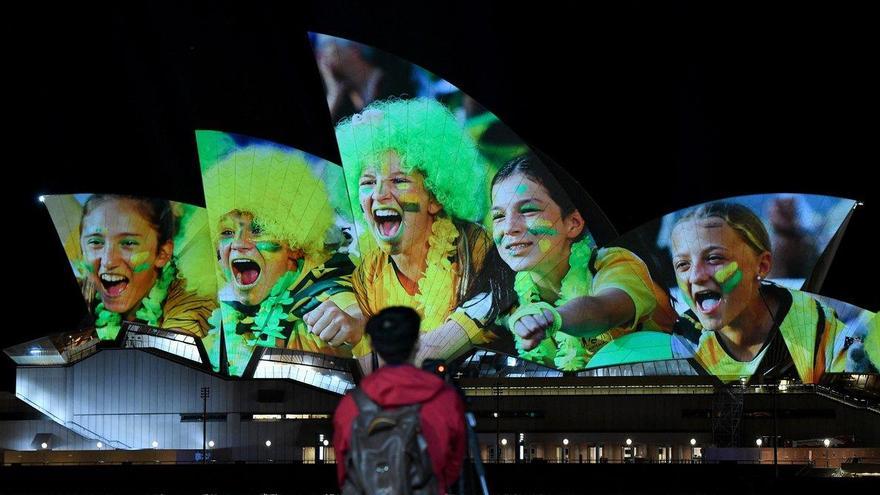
pixel 387 454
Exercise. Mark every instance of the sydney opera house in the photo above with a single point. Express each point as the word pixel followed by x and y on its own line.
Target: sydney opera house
pixel 224 323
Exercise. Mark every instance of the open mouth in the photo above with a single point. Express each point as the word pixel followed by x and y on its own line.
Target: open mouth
pixel 518 248
pixel 388 222
pixel 707 301
pixel 245 271
pixel 113 284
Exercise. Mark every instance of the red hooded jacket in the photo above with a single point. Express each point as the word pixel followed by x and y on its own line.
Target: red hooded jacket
pixel 442 416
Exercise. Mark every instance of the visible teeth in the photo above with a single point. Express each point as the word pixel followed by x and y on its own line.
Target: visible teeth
pixel 386 213
pixel 708 303
pixel 242 260
pixel 112 277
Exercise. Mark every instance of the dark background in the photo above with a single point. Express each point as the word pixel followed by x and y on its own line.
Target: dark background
pixel 653 107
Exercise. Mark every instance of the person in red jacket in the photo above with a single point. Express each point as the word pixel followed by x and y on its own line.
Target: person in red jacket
pixel 394 332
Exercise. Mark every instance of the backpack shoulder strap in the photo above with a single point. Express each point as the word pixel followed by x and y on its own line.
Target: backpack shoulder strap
pixel 364 403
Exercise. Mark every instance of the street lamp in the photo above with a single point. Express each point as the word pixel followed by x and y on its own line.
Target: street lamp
pixel 629 442
pixel 759 442
pixel 827 444
pixel 693 443
pixel 211 444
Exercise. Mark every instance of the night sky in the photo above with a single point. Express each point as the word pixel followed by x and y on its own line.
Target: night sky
pixel 652 107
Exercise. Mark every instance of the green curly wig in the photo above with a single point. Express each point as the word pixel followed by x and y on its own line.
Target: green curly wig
pixel 278 188
pixel 428 139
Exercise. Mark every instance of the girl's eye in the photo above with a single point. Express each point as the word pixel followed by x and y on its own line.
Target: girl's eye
pixel 529 209
pixel 129 243
pixel 495 218
pixel 682 265
pixel 95 242
pixel 716 259
pixel 400 180
pixel 227 233
pixel 368 182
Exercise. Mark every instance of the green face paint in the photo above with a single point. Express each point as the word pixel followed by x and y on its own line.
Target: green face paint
pixel 84 266
pixel 522 189
pixel 537 230
pixel 139 258
pixel 541 226
pixel 366 190
pixel 497 238
pixel 268 246
pixel 411 207
pixel 142 267
pixel 544 245
pixel 729 277
pixel 684 293
pixel 404 186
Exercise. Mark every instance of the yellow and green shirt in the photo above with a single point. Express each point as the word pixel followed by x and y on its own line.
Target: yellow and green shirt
pixel 329 280
pixel 804 336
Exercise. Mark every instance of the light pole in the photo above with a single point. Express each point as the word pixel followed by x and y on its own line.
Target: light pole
pixel 826 443
pixel 205 393
pixel 693 443
pixel 497 422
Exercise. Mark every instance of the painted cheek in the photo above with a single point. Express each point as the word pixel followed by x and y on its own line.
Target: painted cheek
pixel 268 246
pixel 541 226
pixel 544 245
pixel 410 202
pixel 685 293
pixel 729 277
pixel 84 266
pixel 139 261
pixel 497 238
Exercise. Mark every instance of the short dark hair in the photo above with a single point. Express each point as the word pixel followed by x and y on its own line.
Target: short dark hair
pixel 393 333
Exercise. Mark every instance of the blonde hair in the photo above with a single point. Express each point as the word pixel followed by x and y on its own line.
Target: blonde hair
pixel 278 188
pixel 741 219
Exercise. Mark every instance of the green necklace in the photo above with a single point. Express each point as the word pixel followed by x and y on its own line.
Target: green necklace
pixel 108 323
pixel 558 349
